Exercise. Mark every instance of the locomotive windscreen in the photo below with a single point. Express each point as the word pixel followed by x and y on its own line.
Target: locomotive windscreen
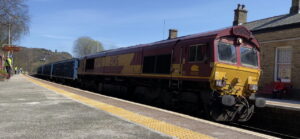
pixel 249 56
pixel 227 52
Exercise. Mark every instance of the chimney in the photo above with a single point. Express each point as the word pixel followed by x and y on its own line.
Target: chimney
pixel 295 7
pixel 240 15
pixel 172 34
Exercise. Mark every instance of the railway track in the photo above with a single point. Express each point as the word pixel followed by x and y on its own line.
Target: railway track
pixel 264 131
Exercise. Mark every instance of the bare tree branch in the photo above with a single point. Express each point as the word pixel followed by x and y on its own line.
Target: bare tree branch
pixel 15 14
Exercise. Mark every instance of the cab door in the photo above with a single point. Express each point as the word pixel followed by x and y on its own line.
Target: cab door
pixel 196 60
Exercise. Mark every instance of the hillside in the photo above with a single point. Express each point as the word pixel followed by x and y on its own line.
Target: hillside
pixel 31 58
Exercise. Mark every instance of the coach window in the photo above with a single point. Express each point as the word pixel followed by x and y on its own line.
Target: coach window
pixel 197 52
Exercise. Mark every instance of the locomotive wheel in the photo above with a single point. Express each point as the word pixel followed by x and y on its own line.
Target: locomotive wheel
pixel 247 110
pixel 246 114
pixel 217 112
pixel 167 99
pixel 241 111
pixel 147 94
pixel 100 87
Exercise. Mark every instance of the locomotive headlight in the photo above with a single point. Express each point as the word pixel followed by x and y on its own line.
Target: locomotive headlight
pixel 253 87
pixel 220 83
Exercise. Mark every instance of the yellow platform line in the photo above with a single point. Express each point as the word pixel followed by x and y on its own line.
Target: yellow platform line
pixel 157 125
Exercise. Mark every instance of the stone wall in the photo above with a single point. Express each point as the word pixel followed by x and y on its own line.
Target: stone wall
pixel 269 42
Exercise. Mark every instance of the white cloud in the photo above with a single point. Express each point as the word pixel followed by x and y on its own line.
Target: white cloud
pixel 57 37
pixel 40 0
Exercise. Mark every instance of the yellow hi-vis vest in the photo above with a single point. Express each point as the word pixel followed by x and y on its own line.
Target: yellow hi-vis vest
pixel 8 62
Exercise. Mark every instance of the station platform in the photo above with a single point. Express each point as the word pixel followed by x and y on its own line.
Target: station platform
pixel 34 108
pixel 283 104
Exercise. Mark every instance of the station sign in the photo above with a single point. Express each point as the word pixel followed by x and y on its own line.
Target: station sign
pixel 11 48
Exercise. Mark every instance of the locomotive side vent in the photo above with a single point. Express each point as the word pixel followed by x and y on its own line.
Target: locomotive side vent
pixel 159 64
pixel 90 64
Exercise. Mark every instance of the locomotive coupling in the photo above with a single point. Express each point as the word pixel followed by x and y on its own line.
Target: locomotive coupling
pixel 259 102
pixel 228 100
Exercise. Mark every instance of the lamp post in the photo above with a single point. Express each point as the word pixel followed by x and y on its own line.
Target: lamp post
pixel 9 30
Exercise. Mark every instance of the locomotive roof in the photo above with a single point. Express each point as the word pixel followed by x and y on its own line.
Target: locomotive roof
pixel 215 33
pixel 62 61
pixel 66 60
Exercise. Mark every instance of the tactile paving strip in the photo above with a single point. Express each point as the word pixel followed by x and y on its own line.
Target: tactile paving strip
pixel 148 122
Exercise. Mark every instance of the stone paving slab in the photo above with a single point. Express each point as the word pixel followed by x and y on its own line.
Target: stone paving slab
pixel 31 111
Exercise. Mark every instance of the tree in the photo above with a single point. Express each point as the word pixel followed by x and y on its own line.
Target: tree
pixel 13 15
pixel 86 45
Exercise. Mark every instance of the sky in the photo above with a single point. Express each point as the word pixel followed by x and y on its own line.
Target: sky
pixel 56 24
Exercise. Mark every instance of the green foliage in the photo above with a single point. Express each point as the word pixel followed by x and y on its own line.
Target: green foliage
pixel 2 71
pixel 3 74
pixel 85 45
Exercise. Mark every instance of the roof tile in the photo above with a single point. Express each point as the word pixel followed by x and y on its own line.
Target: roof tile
pixel 272 22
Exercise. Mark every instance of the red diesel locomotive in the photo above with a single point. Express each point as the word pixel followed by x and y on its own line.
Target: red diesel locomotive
pixel 216 72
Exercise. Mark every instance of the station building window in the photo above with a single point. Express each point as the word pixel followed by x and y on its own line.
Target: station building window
pixel 283 64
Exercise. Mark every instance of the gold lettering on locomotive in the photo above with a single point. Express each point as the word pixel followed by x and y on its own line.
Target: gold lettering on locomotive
pixel 194 68
pixel 114 61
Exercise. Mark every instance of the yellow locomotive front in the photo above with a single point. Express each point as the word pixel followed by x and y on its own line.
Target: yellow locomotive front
pixel 234 78
pixel 236 70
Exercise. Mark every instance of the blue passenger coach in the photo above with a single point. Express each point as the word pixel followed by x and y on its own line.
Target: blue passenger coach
pixel 66 69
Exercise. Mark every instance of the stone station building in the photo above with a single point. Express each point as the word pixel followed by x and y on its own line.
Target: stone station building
pixel 279 37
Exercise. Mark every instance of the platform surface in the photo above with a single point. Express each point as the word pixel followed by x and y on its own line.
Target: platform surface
pixel 30 111
pixel 32 108
pixel 283 104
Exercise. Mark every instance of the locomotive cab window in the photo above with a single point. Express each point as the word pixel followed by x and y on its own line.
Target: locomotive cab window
pixel 89 64
pixel 197 52
pixel 227 52
pixel 249 56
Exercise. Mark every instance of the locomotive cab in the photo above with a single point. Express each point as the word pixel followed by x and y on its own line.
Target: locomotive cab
pixel 236 67
pixel 236 71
